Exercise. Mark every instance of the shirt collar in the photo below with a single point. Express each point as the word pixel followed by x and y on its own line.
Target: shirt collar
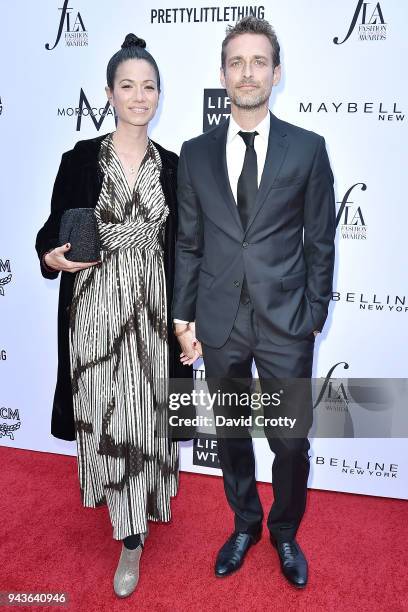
pixel 262 128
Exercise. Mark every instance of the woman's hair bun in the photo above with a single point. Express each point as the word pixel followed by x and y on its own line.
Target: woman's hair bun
pixel 132 40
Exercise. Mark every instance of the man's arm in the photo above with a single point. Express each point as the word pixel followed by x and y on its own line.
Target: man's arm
pixel 189 246
pixel 319 234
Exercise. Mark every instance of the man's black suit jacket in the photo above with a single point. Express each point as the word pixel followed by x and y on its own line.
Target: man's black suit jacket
pixel 286 252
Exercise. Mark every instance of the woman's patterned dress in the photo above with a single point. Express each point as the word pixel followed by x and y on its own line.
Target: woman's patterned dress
pixel 119 353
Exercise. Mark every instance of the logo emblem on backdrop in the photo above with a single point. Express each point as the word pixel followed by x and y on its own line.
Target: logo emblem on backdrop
pixel 6 428
pixel 73 27
pixel 350 217
pixel 85 109
pixel 216 108
pixel 369 19
pixel 204 14
pixel 382 302
pixel 4 280
pixel 3 355
pixel 382 110
pixel 358 407
pixel 332 418
pixel 205 452
pixel 358 467
pixel 333 390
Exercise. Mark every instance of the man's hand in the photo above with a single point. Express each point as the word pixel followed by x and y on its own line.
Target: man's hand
pixel 190 347
pixel 316 332
pixel 57 261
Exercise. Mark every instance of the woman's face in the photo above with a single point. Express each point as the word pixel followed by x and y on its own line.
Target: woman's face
pixel 135 95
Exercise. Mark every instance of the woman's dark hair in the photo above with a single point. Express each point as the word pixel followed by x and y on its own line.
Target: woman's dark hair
pixel 132 48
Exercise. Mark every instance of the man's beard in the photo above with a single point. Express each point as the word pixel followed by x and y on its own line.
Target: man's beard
pixel 251 101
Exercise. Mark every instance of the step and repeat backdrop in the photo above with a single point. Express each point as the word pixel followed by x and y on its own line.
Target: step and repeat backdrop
pixel 343 76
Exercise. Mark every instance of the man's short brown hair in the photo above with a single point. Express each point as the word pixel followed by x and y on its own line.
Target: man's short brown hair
pixel 252 25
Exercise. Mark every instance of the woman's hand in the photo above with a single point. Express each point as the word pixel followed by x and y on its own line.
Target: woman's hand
pixel 57 261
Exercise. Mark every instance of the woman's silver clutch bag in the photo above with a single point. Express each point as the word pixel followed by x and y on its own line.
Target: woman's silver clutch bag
pixel 79 228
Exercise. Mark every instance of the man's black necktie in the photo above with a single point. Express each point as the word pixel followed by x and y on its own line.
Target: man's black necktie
pixel 246 191
pixel 247 187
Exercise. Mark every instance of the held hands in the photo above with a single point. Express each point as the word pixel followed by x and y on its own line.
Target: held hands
pixel 190 346
pixel 56 260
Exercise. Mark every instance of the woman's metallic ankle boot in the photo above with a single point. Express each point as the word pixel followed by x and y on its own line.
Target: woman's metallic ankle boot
pixel 127 572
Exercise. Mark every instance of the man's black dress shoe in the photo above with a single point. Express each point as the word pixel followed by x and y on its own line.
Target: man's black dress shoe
pixel 231 556
pixel 293 562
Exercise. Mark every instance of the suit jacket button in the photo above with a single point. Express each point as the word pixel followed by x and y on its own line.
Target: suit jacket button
pixel 244 244
pixel 237 283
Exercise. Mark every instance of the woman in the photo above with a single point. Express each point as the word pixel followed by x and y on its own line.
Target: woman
pixel 115 341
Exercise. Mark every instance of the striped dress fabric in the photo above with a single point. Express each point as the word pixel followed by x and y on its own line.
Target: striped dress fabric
pixel 119 354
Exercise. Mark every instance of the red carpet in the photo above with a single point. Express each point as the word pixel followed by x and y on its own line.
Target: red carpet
pixel 356 546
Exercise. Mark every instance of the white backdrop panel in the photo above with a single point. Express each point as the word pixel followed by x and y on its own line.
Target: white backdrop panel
pixel 342 91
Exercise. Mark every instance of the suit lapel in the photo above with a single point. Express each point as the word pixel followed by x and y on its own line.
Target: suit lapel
pixel 219 165
pixel 275 156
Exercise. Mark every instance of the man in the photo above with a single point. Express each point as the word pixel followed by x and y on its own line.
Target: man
pixel 254 269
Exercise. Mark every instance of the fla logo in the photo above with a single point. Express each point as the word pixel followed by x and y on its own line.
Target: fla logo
pixel 369 19
pixel 73 27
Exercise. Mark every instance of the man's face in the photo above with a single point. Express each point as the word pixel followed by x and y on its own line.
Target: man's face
pixel 249 75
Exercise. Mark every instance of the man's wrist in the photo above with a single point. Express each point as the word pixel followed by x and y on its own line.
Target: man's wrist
pixel 180 327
